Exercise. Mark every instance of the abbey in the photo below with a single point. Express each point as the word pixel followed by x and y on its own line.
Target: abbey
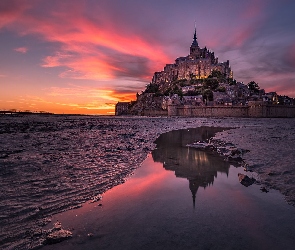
pixel 197 65
pixel 198 85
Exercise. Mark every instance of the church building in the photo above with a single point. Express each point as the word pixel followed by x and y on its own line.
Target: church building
pixel 197 65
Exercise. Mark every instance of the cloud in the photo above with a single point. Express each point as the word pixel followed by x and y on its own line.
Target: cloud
pixel 22 50
pixel 89 49
pixel 97 95
pixel 12 10
pixel 290 56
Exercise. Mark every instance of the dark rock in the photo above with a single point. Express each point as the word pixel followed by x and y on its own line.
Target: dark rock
pixel 245 180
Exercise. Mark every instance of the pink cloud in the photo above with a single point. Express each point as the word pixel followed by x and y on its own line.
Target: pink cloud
pixel 22 50
pixel 254 9
pixel 88 48
pixel 241 36
pixel 12 10
pixel 249 21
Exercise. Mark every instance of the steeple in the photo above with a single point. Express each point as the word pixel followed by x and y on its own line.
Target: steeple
pixel 195 43
pixel 195 49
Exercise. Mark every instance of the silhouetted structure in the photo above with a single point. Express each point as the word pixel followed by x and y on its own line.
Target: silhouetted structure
pixel 198 167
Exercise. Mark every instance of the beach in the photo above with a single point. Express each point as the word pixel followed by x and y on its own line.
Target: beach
pixel 52 164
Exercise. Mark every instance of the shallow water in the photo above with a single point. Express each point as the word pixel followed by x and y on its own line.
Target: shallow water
pixel 182 198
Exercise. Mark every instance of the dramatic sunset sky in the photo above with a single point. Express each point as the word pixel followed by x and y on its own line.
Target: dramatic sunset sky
pixel 83 56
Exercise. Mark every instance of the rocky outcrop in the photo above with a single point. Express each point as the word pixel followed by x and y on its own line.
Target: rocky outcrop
pixel 245 180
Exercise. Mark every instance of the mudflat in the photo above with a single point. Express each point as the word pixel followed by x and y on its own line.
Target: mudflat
pixel 57 163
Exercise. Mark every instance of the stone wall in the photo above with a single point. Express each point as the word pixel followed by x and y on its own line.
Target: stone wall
pixel 279 111
pixel 213 111
pixel 258 110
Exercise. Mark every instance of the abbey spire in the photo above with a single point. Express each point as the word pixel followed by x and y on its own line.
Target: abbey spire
pixel 195 49
pixel 195 42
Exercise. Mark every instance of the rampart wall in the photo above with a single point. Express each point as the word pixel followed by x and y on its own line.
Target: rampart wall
pixel 258 110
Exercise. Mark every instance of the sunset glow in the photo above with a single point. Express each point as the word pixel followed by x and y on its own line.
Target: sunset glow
pixel 85 56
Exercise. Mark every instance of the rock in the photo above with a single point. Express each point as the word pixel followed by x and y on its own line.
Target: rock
pixel 96 198
pixel 57 225
pixel 235 152
pixel 57 234
pixel 245 180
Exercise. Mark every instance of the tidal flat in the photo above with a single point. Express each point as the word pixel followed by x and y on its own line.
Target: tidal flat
pixel 53 164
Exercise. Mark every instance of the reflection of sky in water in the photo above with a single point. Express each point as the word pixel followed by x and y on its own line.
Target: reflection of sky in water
pixel 153 209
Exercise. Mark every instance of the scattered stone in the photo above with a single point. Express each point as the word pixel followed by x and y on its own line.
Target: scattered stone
pixel 57 225
pixel 245 180
pixel 96 198
pixel 57 234
pixel 45 221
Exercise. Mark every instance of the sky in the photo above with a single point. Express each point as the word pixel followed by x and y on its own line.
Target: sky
pixel 83 56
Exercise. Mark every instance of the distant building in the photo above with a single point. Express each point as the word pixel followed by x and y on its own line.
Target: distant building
pixel 122 108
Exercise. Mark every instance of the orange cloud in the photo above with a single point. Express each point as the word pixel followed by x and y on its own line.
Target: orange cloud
pixel 92 98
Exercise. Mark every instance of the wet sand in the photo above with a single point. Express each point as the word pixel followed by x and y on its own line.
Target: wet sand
pixel 182 198
pixel 56 163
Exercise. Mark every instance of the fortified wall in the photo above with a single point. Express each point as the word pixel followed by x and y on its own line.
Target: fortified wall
pixel 252 110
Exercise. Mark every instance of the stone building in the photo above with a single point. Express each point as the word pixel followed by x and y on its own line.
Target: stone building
pixel 122 108
pixel 197 65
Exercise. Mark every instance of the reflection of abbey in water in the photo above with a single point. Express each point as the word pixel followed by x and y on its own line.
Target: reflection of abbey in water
pixel 199 167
